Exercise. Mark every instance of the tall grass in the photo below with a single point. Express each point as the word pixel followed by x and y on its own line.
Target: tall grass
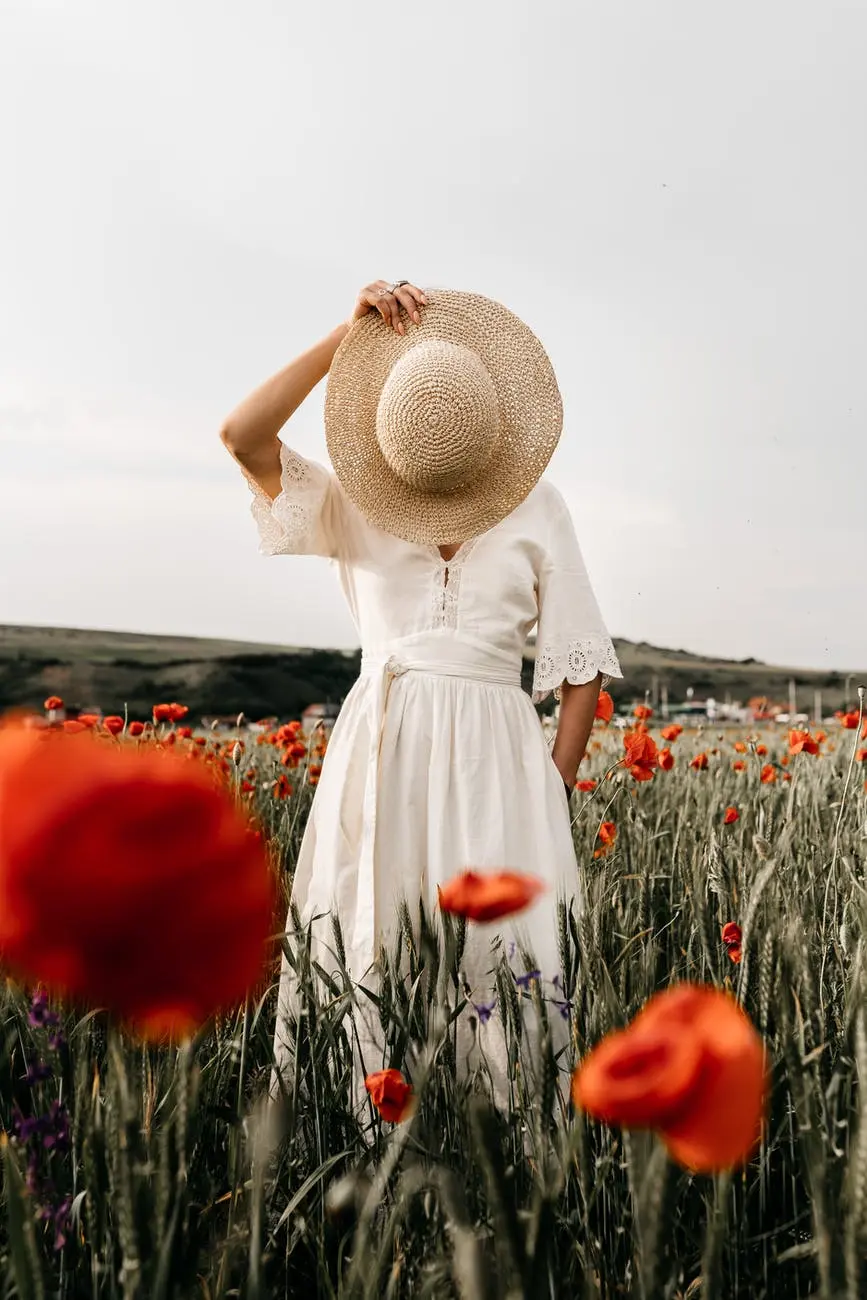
pixel 183 1180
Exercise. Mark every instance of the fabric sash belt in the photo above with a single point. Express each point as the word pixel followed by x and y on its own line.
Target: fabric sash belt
pixel 438 657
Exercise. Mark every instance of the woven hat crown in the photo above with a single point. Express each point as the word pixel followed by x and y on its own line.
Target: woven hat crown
pixel 438 433
pixel 438 417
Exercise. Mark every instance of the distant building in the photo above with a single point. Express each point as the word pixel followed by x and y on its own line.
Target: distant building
pixel 319 715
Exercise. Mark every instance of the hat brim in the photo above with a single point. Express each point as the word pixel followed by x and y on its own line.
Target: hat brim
pixel 531 412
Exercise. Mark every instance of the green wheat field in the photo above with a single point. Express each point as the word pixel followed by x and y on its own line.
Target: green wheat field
pixel 168 1175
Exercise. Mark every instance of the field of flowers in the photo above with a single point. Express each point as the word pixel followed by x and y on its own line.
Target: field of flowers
pixel 143 867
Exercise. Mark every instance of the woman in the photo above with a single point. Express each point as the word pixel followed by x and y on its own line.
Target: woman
pixel 441 414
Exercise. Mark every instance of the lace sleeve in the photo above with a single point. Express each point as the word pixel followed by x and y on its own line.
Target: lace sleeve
pixel 572 642
pixel 306 517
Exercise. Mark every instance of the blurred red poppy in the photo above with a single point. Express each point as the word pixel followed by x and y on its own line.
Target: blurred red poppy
pixel 113 724
pixel 666 760
pixel 488 897
pixel 671 732
pixel 169 712
pixel 769 774
pixel 640 755
pixel 585 786
pixel 801 742
pixel 53 702
pixel 128 880
pixel 699 762
pixel 391 1095
pixel 604 707
pixel 642 712
pixel 607 834
pixel 731 815
pixel 732 937
pixel 739 765
pixel 691 1066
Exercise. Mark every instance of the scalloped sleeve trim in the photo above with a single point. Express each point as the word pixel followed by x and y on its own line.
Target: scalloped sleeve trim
pixel 576 662
pixel 299 520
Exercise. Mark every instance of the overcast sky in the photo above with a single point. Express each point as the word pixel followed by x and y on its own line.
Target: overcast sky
pixel 673 195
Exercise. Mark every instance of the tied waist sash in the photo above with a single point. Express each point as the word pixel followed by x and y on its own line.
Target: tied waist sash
pixel 438 657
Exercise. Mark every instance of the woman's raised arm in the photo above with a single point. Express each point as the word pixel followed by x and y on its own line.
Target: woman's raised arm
pixel 250 432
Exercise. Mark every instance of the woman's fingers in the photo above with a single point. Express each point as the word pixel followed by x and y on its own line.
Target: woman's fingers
pixel 407 300
pixel 394 307
pixel 388 303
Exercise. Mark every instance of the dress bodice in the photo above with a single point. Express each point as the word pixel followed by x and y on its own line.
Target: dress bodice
pixel 525 572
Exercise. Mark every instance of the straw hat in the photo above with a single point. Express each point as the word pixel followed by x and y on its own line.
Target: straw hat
pixel 438 434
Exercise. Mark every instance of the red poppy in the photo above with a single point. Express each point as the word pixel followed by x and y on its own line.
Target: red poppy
pixel 861 756
pixel 488 897
pixel 641 754
pixel 113 724
pixel 761 750
pixel 287 733
pixel 53 702
pixel 391 1094
pixel 604 707
pixel 88 720
pixel 801 742
pixel 691 1066
pixel 732 937
pixel 585 786
pixel 699 762
pixel 769 774
pixel 282 789
pixel 642 712
pixel 671 732
pixel 71 725
pixel 666 759
pixel 109 849
pixel 607 833
pixel 739 765
pixel 731 815
pixel 296 750
pixel 169 712
pixel 849 720
pixel 739 747
pixel 135 729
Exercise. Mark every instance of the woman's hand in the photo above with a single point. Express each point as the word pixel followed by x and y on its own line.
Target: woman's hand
pixel 379 297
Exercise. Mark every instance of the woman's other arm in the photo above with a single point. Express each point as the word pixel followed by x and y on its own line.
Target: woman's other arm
pixel 577 710
pixel 250 432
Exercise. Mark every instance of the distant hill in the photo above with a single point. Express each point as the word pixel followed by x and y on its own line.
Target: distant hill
pixel 110 669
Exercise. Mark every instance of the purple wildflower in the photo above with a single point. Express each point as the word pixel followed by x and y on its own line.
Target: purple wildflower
pixel 38 1072
pixel 56 1040
pixel 40 1014
pixel 484 1010
pixel 57 1128
pixel 523 981
pixel 563 1007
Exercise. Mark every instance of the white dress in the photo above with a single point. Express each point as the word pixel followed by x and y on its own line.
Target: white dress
pixel 438 761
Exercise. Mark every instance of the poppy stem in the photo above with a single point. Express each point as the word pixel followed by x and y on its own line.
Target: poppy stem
pixel 650 1204
pixel 711 1263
